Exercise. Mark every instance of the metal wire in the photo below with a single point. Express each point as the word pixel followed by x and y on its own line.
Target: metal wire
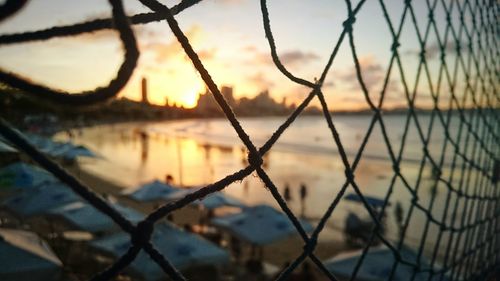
pixel 473 247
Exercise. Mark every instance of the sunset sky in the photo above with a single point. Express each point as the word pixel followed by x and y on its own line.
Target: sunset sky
pixel 228 35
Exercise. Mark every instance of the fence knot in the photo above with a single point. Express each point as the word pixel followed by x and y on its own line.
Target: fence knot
pixel 254 159
pixel 349 175
pixel 425 151
pixel 414 200
pixel 422 54
pixel 396 169
pixel 431 16
pixel 407 2
pixel 142 233
pixel 448 18
pixel 349 22
pixel 310 245
pixel 395 45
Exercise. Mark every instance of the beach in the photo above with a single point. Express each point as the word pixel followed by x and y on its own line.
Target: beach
pixel 304 165
pixel 198 152
pixel 275 254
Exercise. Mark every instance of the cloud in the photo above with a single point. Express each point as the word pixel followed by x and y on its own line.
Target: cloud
pixel 433 50
pixel 250 49
pixel 207 54
pixel 372 73
pixel 261 81
pixel 329 84
pixel 289 58
pixel 164 51
pixel 296 57
pixel 231 2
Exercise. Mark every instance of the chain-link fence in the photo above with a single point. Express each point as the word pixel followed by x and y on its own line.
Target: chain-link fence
pixel 472 152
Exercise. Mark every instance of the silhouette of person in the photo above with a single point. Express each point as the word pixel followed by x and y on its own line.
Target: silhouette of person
pixel 144 146
pixel 306 273
pixel 303 195
pixel 286 193
pixel 169 179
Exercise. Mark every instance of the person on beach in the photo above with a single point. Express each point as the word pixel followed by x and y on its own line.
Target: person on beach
pixel 286 193
pixel 169 179
pixel 303 195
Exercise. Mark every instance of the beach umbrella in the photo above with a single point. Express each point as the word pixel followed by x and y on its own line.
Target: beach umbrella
pixel 154 190
pixel 65 150
pixel 24 176
pixel 26 257
pixel 71 151
pixel 84 216
pixel 8 154
pixel 40 200
pixel 373 201
pixel 217 200
pixel 183 249
pixel 259 225
pixel 377 265
pixel 5 148
pixel 41 143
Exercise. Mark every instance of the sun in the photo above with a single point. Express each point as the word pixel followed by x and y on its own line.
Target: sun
pixel 189 99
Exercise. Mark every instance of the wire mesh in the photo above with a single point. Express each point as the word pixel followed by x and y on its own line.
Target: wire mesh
pixel 472 241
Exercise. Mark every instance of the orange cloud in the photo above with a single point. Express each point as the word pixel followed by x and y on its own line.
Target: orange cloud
pixel 165 51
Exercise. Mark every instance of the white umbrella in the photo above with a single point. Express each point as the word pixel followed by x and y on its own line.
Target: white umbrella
pixel 66 150
pixel 259 225
pixel 154 190
pixel 217 200
pixel 24 176
pixel 24 256
pixel 182 249
pixel 5 148
pixel 83 216
pixel 377 265
pixel 40 200
pixel 71 151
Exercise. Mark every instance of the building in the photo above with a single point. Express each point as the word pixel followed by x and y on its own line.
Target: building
pixel 207 104
pixel 144 88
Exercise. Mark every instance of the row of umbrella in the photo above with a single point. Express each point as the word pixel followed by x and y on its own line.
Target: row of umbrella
pixel 159 191
pixel 43 195
pixel 64 150
pixel 380 263
pixel 57 149
pixel 183 249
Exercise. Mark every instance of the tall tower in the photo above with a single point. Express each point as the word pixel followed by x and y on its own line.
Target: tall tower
pixel 227 92
pixel 144 84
